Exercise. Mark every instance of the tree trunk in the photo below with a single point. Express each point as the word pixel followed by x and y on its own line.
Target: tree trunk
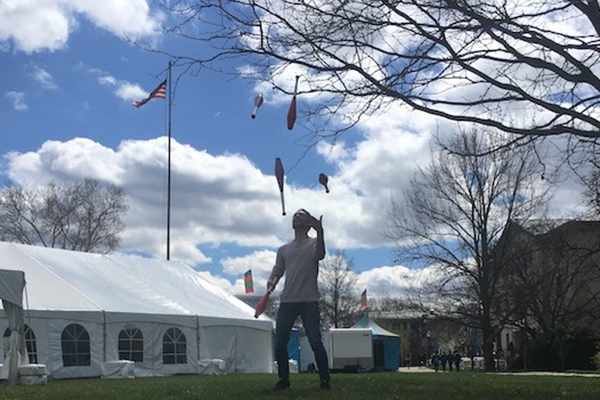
pixel 488 357
pixel 488 348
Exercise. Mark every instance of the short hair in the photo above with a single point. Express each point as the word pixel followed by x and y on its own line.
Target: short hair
pixel 302 211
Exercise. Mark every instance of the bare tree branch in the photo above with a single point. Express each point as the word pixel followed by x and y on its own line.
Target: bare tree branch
pixel 83 216
pixel 513 68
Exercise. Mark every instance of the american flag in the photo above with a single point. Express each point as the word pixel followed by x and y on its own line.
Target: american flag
pixel 160 93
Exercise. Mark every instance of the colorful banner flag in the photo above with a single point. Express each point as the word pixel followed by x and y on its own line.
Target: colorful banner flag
pixel 363 299
pixel 160 93
pixel 248 284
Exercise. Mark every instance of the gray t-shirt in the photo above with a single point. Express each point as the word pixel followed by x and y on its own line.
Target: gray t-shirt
pixel 300 265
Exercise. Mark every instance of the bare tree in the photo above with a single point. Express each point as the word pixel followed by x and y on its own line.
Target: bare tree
pixel 83 216
pixel 526 68
pixel 339 294
pixel 452 216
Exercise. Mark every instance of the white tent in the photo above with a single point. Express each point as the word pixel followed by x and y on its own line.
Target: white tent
pixel 83 310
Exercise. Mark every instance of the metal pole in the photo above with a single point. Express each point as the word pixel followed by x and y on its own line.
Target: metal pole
pixel 169 168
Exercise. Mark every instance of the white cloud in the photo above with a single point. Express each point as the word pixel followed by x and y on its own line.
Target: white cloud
pixel 215 199
pixel 395 281
pixel 37 25
pixel 107 80
pixel 333 152
pixel 123 89
pixel 18 100
pixel 260 262
pixel 129 91
pixel 34 26
pixel 131 17
pixel 218 282
pixel 44 78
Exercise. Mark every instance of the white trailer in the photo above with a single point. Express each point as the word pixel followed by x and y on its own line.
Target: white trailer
pixel 307 357
pixel 350 348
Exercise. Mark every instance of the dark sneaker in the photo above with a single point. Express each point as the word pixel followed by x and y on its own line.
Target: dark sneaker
pixel 282 384
pixel 325 385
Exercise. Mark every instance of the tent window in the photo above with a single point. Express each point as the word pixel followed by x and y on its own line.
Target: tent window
pixel 174 347
pixel 131 345
pixel 75 343
pixel 30 343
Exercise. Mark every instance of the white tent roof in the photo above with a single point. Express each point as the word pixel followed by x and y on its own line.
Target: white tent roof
pixel 61 280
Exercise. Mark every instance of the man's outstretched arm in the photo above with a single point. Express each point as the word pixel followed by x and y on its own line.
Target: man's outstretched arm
pixel 317 224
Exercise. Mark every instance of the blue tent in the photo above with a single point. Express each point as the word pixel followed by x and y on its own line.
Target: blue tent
pixel 386 345
pixel 293 346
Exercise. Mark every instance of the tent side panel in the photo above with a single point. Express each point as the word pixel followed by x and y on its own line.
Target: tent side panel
pixel 218 342
pixel 48 326
pixel 55 362
pixel 244 350
pixel 254 351
pixel 391 354
pixel 153 334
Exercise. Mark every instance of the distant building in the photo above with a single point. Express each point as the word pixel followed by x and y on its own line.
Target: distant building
pixel 550 273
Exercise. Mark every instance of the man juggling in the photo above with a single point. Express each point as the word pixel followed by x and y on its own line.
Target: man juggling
pixel 299 261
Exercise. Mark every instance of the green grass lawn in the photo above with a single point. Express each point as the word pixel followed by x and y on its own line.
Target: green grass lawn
pixel 366 386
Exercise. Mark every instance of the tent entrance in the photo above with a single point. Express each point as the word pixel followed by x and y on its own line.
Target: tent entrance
pixel 378 353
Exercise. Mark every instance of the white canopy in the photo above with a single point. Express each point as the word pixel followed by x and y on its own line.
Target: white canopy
pixel 109 293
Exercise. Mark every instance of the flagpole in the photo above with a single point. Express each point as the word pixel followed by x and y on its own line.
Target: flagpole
pixel 169 168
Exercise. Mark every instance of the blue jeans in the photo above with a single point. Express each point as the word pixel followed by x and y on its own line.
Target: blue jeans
pixel 286 316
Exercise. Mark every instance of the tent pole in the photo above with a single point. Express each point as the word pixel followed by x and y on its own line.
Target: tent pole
pixel 169 168
pixel 104 333
pixel 198 337
pixel 235 349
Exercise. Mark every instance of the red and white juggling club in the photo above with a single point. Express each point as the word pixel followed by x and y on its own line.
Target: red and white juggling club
pixel 262 304
pixel 323 181
pixel 258 100
pixel 279 174
pixel 291 117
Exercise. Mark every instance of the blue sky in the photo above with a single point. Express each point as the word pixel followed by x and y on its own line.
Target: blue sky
pixel 68 78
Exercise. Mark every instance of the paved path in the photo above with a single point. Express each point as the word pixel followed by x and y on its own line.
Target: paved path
pixel 416 369
pixel 538 373
pixel 542 373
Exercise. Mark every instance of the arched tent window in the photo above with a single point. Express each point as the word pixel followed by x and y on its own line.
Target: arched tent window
pixel 174 347
pixel 131 345
pixel 30 343
pixel 75 342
